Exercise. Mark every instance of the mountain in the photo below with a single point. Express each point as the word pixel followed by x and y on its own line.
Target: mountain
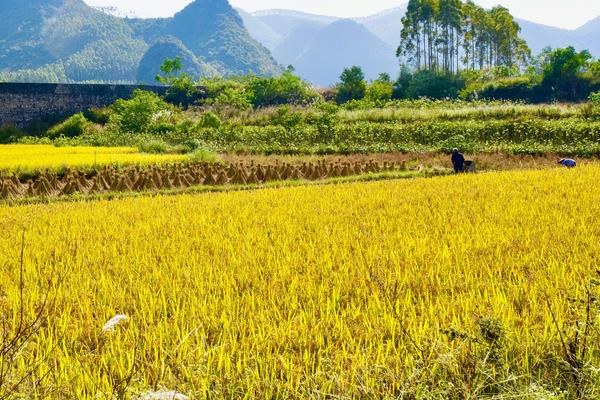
pixel 213 30
pixel 68 40
pixel 539 36
pixel 67 34
pixel 343 44
pixel 171 47
pixel 285 21
pixel 386 25
pixel 588 34
pixel 260 30
pixel 292 47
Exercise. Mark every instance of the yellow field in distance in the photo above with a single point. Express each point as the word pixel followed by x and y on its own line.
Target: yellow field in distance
pixel 431 288
pixel 34 157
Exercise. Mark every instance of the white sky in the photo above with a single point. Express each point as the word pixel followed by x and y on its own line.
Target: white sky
pixel 562 13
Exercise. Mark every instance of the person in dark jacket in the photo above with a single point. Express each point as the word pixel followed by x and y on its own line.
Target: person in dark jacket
pixel 458 161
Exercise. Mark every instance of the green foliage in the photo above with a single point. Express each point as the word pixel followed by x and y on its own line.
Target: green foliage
pixel 434 85
pixel 98 115
pixel 561 74
pixel 10 134
pixel 182 87
pixel 286 117
pixel 73 126
pixel 210 120
pixel 69 41
pixel 234 98
pixel 381 89
pixel 204 156
pixel 286 88
pixel 138 114
pixel 517 88
pixel 352 85
pixel 434 32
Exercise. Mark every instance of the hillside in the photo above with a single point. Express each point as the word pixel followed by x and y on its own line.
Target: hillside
pixel 339 45
pixel 170 47
pixel 67 40
pixel 291 31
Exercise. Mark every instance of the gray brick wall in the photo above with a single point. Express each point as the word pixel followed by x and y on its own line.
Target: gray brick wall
pixel 26 104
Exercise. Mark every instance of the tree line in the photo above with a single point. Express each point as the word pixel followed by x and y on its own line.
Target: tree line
pixel 451 35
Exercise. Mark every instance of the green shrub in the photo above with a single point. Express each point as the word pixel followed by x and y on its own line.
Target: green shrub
pixel 73 126
pixel 154 147
pixel 210 120
pixel 352 85
pixel 434 85
pixel 513 88
pixel 379 91
pixel 10 134
pixel 204 156
pixel 237 99
pixel 286 88
pixel 98 115
pixel 137 114
pixel 286 117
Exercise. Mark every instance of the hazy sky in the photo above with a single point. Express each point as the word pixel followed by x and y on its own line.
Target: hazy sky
pixel 562 13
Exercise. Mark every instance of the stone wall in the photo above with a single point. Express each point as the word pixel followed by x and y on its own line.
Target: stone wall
pixel 30 105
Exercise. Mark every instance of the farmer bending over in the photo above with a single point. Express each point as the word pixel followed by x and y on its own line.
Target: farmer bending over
pixel 567 162
pixel 458 161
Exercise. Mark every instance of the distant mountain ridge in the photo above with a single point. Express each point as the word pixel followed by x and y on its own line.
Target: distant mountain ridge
pixel 67 40
pixel 290 35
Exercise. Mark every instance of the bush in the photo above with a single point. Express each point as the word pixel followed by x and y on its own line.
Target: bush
pixel 160 147
pixel 10 134
pixel 236 99
pixel 98 115
pixel 352 85
pixel 286 117
pixel 204 156
pixel 592 109
pixel 139 113
pixel 73 126
pixel 517 88
pixel 210 120
pixel 434 85
pixel 379 91
pixel 284 89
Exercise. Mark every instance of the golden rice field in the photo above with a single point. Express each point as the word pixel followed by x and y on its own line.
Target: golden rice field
pixel 18 157
pixel 431 288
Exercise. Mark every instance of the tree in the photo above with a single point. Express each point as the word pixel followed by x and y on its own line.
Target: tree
pixel 286 88
pixel 381 89
pixel 561 74
pixel 433 30
pixel 182 87
pixel 137 114
pixel 352 85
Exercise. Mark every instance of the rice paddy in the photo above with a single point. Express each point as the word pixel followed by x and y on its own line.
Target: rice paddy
pixel 18 158
pixel 450 287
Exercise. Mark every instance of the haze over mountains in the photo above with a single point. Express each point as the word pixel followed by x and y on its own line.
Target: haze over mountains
pixel 67 40
pixel 296 38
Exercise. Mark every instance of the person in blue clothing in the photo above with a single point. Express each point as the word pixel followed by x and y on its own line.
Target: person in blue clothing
pixel 567 162
pixel 458 161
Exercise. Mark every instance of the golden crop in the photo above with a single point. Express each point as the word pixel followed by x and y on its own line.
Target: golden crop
pixel 33 157
pixel 432 288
